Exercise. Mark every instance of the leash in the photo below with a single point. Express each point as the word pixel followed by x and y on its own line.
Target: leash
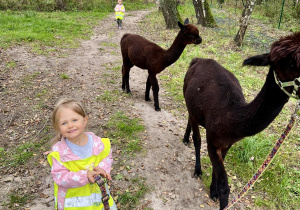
pixel 105 197
pixel 268 160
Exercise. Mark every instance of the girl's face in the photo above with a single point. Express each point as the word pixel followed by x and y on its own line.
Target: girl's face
pixel 120 2
pixel 71 124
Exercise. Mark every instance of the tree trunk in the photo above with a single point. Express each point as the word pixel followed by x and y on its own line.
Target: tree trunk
pixel 244 21
pixel 169 10
pixel 203 13
pixel 258 2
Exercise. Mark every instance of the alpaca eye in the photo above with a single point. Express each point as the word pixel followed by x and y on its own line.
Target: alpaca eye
pixel 291 67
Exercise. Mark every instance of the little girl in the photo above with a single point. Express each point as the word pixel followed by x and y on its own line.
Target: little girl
pixel 77 159
pixel 119 10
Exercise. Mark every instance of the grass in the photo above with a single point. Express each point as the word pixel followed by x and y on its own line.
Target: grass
pixel 278 188
pixel 28 78
pixel 64 76
pixel 22 153
pixel 130 198
pixel 17 199
pixel 125 132
pixel 46 32
pixel 108 96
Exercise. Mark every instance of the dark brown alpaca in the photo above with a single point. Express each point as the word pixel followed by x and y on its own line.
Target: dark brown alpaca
pixel 215 100
pixel 144 54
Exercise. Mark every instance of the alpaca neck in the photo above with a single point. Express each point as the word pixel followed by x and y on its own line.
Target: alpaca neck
pixel 173 53
pixel 259 113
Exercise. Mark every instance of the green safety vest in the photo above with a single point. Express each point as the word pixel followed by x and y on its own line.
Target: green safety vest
pixel 87 197
pixel 120 15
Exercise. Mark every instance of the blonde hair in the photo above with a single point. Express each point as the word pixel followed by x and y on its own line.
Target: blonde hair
pixel 69 103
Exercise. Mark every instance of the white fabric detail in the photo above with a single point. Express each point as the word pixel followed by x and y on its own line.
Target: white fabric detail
pixel 83 201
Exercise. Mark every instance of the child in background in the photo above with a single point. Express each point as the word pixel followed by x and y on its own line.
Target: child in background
pixel 77 159
pixel 119 9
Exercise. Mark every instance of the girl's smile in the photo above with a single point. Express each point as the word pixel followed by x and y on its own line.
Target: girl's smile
pixel 71 125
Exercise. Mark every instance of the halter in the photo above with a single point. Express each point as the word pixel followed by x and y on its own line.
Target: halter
pixel 282 85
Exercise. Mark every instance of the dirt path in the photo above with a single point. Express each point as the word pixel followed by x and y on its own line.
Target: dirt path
pixel 167 166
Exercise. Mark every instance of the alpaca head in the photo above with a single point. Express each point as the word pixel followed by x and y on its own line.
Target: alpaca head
pixel 284 60
pixel 190 33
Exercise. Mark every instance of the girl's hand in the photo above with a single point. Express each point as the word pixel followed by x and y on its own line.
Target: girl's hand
pixel 91 174
pixel 103 173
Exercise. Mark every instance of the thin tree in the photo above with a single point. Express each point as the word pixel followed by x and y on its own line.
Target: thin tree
pixel 244 21
pixel 203 13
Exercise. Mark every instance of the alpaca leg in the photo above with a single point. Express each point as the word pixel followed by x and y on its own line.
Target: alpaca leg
pixel 125 79
pixel 148 87
pixel 186 138
pixel 155 89
pixel 197 143
pixel 220 181
pixel 213 187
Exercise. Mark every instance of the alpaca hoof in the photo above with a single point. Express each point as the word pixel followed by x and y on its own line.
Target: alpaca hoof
pixel 186 142
pixel 198 174
pixel 157 109
pixel 215 199
pixel 214 196
pixel 147 99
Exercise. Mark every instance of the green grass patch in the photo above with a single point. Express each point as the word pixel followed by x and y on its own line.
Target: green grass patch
pixel 11 64
pixel 108 96
pixel 51 30
pixel 130 198
pixel 110 44
pixel 125 132
pixel 28 78
pixel 17 199
pixel 64 76
pixel 22 153
pixel 46 32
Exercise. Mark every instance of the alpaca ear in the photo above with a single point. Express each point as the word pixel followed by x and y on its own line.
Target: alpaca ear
pixel 186 21
pixel 258 60
pixel 180 25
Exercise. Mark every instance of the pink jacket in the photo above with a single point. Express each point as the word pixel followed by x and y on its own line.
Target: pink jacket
pixel 119 8
pixel 67 179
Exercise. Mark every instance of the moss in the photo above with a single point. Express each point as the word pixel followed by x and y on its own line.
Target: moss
pixel 210 21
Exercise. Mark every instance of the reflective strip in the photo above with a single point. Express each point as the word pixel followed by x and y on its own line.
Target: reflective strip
pixel 92 200
pixel 114 207
pixel 89 201
pixel 119 15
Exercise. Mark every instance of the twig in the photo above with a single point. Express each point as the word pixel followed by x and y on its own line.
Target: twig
pixel 42 128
